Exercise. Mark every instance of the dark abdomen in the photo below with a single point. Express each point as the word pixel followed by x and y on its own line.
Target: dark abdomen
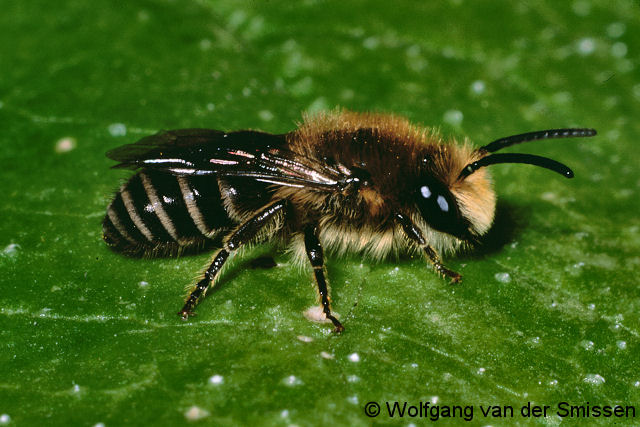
pixel 157 213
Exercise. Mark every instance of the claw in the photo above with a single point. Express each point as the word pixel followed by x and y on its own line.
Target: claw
pixel 456 279
pixel 185 314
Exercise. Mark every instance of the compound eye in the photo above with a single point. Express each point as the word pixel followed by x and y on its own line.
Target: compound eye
pixel 438 208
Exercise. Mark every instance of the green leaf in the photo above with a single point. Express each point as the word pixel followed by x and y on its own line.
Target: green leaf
pixel 549 307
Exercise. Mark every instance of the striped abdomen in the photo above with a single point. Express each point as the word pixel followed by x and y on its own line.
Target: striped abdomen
pixel 159 213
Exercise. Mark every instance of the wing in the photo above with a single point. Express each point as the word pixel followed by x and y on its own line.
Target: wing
pixel 261 156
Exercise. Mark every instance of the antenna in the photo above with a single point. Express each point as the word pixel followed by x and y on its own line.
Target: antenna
pixel 501 143
pixel 529 159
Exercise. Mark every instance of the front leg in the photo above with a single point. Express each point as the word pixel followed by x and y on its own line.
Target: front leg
pixel 415 235
pixel 314 252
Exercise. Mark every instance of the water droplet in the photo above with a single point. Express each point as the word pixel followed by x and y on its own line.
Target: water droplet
pixel 371 43
pixel 292 381
pixel 503 277
pixel 354 357
pixel 616 29
pixel 453 117
pixel 586 46
pixel 587 345
pixel 622 345
pixel 478 87
pixel 216 379
pixel 594 379
pixel 581 7
pixel 265 115
pixel 619 49
pixel 205 44
pixel 11 250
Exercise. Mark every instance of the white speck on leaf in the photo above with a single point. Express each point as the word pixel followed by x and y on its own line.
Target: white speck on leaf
pixel 117 129
pixel 65 144
pixel 195 413
pixel 216 379
pixel 354 357
pixel 503 277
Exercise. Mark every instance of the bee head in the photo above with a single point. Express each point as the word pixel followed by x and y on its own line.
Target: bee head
pixel 472 188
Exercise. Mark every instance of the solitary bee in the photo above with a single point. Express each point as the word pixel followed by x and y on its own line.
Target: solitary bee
pixel 343 181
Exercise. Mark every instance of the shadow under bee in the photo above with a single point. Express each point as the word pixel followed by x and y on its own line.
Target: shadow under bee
pixel 508 224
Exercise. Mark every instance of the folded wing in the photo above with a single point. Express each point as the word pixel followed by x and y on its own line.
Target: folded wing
pixel 256 155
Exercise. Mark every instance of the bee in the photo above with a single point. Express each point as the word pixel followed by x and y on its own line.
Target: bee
pixel 342 181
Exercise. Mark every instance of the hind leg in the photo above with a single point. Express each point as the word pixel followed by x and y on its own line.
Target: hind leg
pixel 246 232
